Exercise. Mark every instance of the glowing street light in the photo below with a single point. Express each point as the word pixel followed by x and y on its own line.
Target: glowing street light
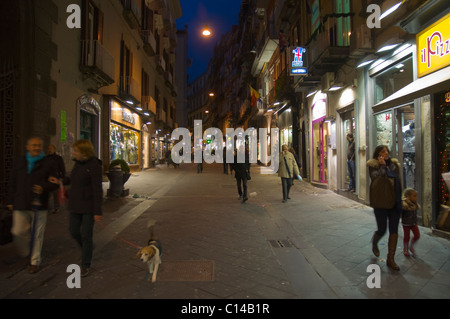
pixel 206 31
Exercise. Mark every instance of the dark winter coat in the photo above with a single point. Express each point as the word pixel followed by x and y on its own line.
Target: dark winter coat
pixel 86 192
pixel 59 164
pixel 21 191
pixel 241 169
pixel 409 212
pixel 380 176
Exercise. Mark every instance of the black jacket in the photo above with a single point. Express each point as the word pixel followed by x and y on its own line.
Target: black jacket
pixel 21 194
pixel 59 163
pixel 241 169
pixel 86 192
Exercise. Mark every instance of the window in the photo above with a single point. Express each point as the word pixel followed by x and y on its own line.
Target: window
pixel 393 79
pixel 93 22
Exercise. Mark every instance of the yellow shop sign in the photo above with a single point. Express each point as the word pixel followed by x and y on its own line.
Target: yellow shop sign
pixel 433 47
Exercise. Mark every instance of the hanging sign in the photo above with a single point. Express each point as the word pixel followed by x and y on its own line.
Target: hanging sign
pixel 298 61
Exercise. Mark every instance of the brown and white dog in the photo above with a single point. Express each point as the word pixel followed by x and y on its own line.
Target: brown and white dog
pixel 151 254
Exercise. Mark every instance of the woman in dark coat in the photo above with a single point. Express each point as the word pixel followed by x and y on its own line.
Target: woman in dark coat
pixel 85 199
pixel 240 173
pixel 386 199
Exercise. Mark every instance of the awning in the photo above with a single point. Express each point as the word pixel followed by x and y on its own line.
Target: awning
pixel 430 84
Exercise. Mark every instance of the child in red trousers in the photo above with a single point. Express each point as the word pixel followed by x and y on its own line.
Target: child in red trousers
pixel 409 220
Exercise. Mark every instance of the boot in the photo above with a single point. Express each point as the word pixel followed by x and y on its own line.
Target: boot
pixel 375 240
pixel 392 245
pixel 405 249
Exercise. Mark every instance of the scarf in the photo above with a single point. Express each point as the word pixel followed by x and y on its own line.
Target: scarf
pixel 33 160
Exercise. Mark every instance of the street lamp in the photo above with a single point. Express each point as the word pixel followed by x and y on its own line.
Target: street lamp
pixel 206 31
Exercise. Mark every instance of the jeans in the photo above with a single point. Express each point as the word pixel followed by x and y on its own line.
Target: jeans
pixel 81 227
pixel 28 230
pixel 286 184
pixel 385 216
pixel 242 181
pixel 351 174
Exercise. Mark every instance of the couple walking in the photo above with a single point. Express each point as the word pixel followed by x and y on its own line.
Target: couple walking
pixel 33 178
pixel 288 170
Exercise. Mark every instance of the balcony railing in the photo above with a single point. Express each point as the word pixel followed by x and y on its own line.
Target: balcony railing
pixel 330 43
pixel 131 13
pixel 96 62
pixel 149 42
pixel 129 87
pixel 160 64
pixel 148 103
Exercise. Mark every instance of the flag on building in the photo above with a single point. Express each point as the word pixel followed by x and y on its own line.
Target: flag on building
pixel 254 96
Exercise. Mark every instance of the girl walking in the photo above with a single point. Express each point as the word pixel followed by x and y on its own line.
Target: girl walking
pixel 409 220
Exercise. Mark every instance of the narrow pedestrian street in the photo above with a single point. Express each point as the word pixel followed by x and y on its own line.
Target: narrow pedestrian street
pixel 315 246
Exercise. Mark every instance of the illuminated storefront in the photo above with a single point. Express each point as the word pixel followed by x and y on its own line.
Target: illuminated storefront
pixel 319 135
pixel 127 136
pixel 411 113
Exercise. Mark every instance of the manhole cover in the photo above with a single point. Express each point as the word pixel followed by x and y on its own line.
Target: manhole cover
pixel 186 270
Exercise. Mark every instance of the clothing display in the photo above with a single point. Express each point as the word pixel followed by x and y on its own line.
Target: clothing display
pixel 124 144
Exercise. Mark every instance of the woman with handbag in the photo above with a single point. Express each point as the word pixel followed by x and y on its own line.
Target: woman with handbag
pixel 386 199
pixel 85 199
pixel 287 171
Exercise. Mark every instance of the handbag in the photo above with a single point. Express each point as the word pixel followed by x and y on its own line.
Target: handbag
pixel 249 178
pixel 62 195
pixel 382 193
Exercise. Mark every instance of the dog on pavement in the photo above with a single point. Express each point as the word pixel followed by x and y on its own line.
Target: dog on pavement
pixel 151 254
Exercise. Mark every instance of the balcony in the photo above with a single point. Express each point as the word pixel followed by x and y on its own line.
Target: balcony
pixel 266 48
pixel 129 89
pixel 149 42
pixel 284 13
pixel 329 46
pixel 148 103
pixel 97 63
pixel 131 13
pixel 160 64
pixel 168 80
pixel 161 116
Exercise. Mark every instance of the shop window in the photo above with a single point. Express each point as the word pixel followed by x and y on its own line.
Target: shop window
pixel 124 144
pixel 443 148
pixel 394 79
pixel 396 129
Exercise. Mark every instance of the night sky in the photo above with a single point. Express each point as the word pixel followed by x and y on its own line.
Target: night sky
pixel 219 15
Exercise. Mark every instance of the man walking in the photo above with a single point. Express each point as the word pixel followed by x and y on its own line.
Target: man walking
pixel 33 177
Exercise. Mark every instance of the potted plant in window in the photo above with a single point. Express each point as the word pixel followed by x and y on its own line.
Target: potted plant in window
pixel 118 175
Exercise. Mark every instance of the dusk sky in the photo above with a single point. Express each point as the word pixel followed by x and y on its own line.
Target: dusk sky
pixel 219 15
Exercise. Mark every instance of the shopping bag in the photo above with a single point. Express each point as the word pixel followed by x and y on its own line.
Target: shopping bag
pixel 62 195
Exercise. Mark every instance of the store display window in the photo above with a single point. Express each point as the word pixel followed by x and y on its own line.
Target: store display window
pixel 124 144
pixel 443 147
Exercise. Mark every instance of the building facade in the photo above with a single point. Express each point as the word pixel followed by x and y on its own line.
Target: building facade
pixel 103 71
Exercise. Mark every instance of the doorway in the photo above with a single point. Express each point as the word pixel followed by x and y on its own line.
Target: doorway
pixel 320 160
pixel 348 126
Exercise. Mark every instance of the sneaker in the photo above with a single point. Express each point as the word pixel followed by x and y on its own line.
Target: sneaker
pixel 84 272
pixel 32 269
pixel 244 199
